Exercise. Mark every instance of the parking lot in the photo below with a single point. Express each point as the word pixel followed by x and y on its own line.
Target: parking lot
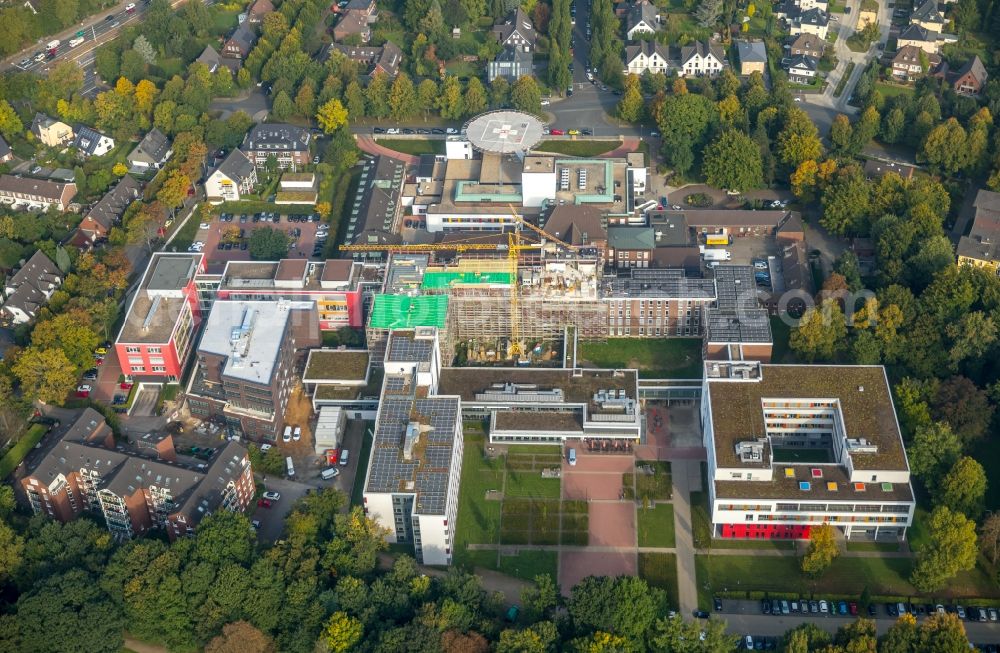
pixel 227 236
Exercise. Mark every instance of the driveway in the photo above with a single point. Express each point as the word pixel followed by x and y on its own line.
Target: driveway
pixel 253 102
pixel 272 520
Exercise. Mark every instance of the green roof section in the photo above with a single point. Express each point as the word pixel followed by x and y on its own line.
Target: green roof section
pixel 405 312
pixel 442 280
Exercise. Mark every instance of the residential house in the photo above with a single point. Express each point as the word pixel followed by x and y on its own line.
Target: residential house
pixel 970 78
pixel 235 177
pixel 919 37
pixel 981 248
pixel 381 59
pixel 296 188
pixel 812 21
pixel 239 44
pixel 30 194
pixel 511 64
pixel 51 132
pixel 752 56
pixel 29 289
pixel 908 63
pixel 162 320
pixel 928 16
pixel 90 142
pixel 807 44
pixel 5 153
pixel 646 56
pixel 108 212
pixel 288 144
pixel 134 490
pixel 357 17
pixel 629 247
pixel 516 32
pixel 792 8
pixel 151 152
pixel 210 58
pixel 801 68
pixel 642 18
pixel 258 10
pixel 703 58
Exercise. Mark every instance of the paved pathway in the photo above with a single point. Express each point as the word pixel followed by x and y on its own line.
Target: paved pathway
pixel 686 476
pixel 368 144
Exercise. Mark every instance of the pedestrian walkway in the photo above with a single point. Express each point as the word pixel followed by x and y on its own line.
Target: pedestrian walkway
pixel 368 144
pixel 686 476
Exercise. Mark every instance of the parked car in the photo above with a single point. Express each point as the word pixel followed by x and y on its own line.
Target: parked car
pixel 824 606
pixel 83 390
pixel 264 448
pixel 872 610
pixel 451 130
pixel 272 496
pixel 765 606
pixel 378 130
pixel 717 604
pixel 557 132
pixel 392 131
pixel 297 433
pixel 263 503
pixel 90 375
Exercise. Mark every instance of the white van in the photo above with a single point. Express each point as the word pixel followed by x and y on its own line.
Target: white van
pixel 572 457
pixel 344 454
pixel 289 466
pixel 329 473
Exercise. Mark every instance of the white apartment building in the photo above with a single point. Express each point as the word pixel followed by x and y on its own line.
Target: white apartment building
pixel 795 446
pixel 411 487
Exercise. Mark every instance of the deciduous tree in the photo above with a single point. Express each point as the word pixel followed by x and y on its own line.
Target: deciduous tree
pixel 341 632
pixel 964 487
pixel 267 244
pixel 733 162
pixel 525 95
pixel 45 374
pixel 10 123
pixel 950 548
pixel 822 550
pixel 820 333
pixel 331 115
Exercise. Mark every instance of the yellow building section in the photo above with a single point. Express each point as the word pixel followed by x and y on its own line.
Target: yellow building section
pixel 979 263
pixel 331 309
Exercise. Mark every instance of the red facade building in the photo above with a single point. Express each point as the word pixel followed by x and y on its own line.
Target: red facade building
pixel 162 321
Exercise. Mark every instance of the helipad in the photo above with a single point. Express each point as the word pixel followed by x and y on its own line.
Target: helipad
pixel 504 132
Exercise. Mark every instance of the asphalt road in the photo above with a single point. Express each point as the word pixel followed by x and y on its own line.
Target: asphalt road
pixel 745 618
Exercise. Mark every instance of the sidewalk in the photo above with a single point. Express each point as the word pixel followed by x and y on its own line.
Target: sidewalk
pixel 686 475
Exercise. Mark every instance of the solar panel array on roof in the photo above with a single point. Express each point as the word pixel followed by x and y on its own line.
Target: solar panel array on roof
pixel 427 474
pixel 735 288
pixel 656 282
pixel 404 349
pixel 739 326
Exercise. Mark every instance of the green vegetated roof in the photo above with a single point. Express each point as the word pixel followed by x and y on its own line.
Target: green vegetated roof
pixel 404 312
pixel 438 280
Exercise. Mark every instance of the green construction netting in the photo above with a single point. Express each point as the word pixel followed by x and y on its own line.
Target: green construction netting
pixel 404 312
pixel 439 280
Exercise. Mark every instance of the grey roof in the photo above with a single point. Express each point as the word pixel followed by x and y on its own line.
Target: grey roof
pixel 376 204
pixel 664 283
pixel 800 61
pixel 42 120
pixel 244 37
pixel 748 326
pixel 735 287
pixel 987 200
pixel 152 149
pixel 928 12
pixel 236 166
pixel 814 16
pixel 156 305
pixel 405 347
pixel 228 465
pixel 751 51
pixel 32 282
pixel 915 33
pixel 51 190
pixel 631 237
pixel 642 11
pixel 515 55
pixel 577 225
pixel 277 136
pixel 112 206
pixel 4 148
pixel 647 48
pixel 805 41
pixel 385 57
pixel 210 58
pixel 518 22
pixel 249 335
pixel 702 48
pixel 86 138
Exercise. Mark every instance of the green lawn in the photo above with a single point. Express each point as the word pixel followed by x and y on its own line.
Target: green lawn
pixel 881 547
pixel 655 486
pixel 413 145
pixel 478 519
pixel 660 570
pixel 577 148
pixel 758 545
pixel 845 577
pixel 16 453
pixel 664 358
pixel 892 90
pixel 701 520
pixel 528 564
pixel 656 525
pixel 531 484
pixel 842 84
pixel 185 235
pixel 358 490
pixel 800 455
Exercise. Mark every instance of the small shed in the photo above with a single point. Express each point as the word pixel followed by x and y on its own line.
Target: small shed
pixel 329 428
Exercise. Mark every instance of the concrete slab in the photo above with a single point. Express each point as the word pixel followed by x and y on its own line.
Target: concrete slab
pixel 577 565
pixel 612 524
pixel 601 485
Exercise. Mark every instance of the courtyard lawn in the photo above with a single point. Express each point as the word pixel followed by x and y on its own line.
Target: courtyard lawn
pixel 478 519
pixel 531 484
pixel 185 235
pixel 577 148
pixel 657 486
pixel 660 570
pixel 413 145
pixel 892 90
pixel 656 525
pixel 659 358
pixel 528 564
pixel 701 520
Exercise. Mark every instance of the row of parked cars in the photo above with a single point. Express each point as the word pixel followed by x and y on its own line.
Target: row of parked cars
pixel 392 131
pixel 981 614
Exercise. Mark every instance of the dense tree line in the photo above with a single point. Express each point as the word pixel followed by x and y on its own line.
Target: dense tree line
pixel 23 25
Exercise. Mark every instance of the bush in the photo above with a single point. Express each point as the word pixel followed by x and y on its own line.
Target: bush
pixel 700 200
